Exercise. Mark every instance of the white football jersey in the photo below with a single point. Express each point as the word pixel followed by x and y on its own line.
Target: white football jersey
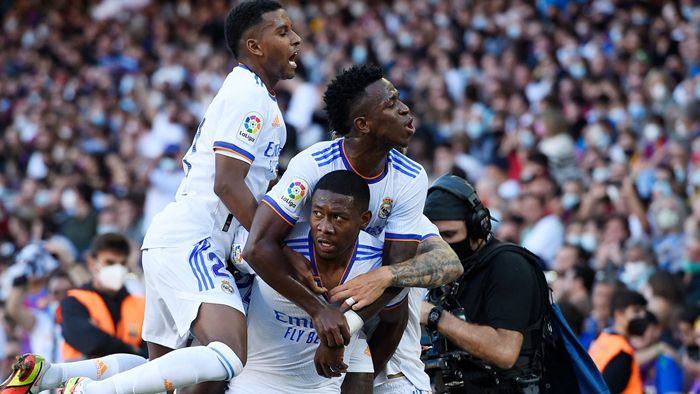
pixel 406 358
pixel 281 338
pixel 397 195
pixel 244 122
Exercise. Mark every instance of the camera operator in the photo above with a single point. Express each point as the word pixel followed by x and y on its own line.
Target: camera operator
pixel 489 323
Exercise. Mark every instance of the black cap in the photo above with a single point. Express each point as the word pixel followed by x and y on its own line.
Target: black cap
pixel 442 205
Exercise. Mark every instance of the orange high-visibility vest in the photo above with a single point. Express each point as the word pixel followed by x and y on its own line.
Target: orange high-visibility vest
pixel 128 329
pixel 606 347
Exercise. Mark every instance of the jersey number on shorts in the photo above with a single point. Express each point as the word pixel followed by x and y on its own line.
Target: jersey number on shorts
pixel 218 266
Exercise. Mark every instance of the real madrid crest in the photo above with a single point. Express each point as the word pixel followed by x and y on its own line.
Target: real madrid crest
pixel 226 287
pixel 385 208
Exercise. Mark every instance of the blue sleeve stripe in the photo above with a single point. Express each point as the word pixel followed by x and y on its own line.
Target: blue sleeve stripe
pixel 426 236
pixel 397 163
pixel 405 167
pixel 371 257
pixel 400 169
pixel 297 246
pixel 329 160
pixel 296 240
pixel 406 161
pixel 323 156
pixel 335 145
pixel 234 148
pixel 402 237
pixel 369 248
pixel 272 204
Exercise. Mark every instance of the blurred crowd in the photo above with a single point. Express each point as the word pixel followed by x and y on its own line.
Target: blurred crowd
pixel 578 121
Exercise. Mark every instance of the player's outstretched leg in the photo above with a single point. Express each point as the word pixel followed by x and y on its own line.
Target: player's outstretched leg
pixel 35 374
pixel 26 376
pixel 221 327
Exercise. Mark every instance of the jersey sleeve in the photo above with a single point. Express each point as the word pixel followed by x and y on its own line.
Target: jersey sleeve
pixel 404 222
pixel 428 229
pixel 238 124
pixel 288 196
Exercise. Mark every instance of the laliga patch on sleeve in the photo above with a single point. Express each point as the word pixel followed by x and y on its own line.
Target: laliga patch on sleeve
pixel 249 130
pixel 294 195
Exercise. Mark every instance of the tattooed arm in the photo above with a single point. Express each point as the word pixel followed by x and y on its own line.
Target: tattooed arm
pixel 434 265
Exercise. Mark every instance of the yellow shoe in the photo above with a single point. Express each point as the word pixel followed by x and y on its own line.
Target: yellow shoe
pixel 76 385
pixel 26 375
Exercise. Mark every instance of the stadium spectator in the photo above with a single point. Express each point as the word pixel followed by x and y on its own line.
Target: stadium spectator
pixel 543 233
pixel 101 317
pixel 40 322
pixel 612 351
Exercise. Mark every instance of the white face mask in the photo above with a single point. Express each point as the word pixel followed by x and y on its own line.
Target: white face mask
pixel 112 277
pixel 667 219
pixel 588 242
pixel 652 132
pixel 636 274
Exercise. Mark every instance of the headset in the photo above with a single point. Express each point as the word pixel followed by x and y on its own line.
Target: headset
pixel 479 221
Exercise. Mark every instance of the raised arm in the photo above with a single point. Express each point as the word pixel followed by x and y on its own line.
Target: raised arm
pixel 264 253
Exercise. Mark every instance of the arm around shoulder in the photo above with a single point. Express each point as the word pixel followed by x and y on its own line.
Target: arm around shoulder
pixel 436 264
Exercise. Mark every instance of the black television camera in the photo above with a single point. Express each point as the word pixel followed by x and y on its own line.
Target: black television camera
pixel 456 371
pixel 445 366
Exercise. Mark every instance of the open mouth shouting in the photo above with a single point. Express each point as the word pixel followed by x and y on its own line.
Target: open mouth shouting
pixel 293 59
pixel 409 126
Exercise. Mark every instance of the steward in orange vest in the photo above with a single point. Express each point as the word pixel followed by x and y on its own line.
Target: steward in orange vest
pixel 101 317
pixel 612 352
pixel 95 325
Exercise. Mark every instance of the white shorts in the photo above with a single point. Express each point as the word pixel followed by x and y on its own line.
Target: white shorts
pixel 178 280
pixel 399 385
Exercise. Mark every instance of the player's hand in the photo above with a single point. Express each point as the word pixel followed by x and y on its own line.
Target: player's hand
pixel 329 361
pixel 331 327
pixel 302 270
pixel 363 289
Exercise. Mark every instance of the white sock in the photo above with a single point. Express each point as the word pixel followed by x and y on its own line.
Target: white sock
pixel 95 369
pixel 179 368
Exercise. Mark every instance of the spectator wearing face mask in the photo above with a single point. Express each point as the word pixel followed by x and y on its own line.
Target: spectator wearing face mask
pixel 101 317
pixel 667 215
pixel 639 264
pixel 612 351
pixel 81 217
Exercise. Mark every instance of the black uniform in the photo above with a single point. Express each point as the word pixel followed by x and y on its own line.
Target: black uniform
pixel 502 292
